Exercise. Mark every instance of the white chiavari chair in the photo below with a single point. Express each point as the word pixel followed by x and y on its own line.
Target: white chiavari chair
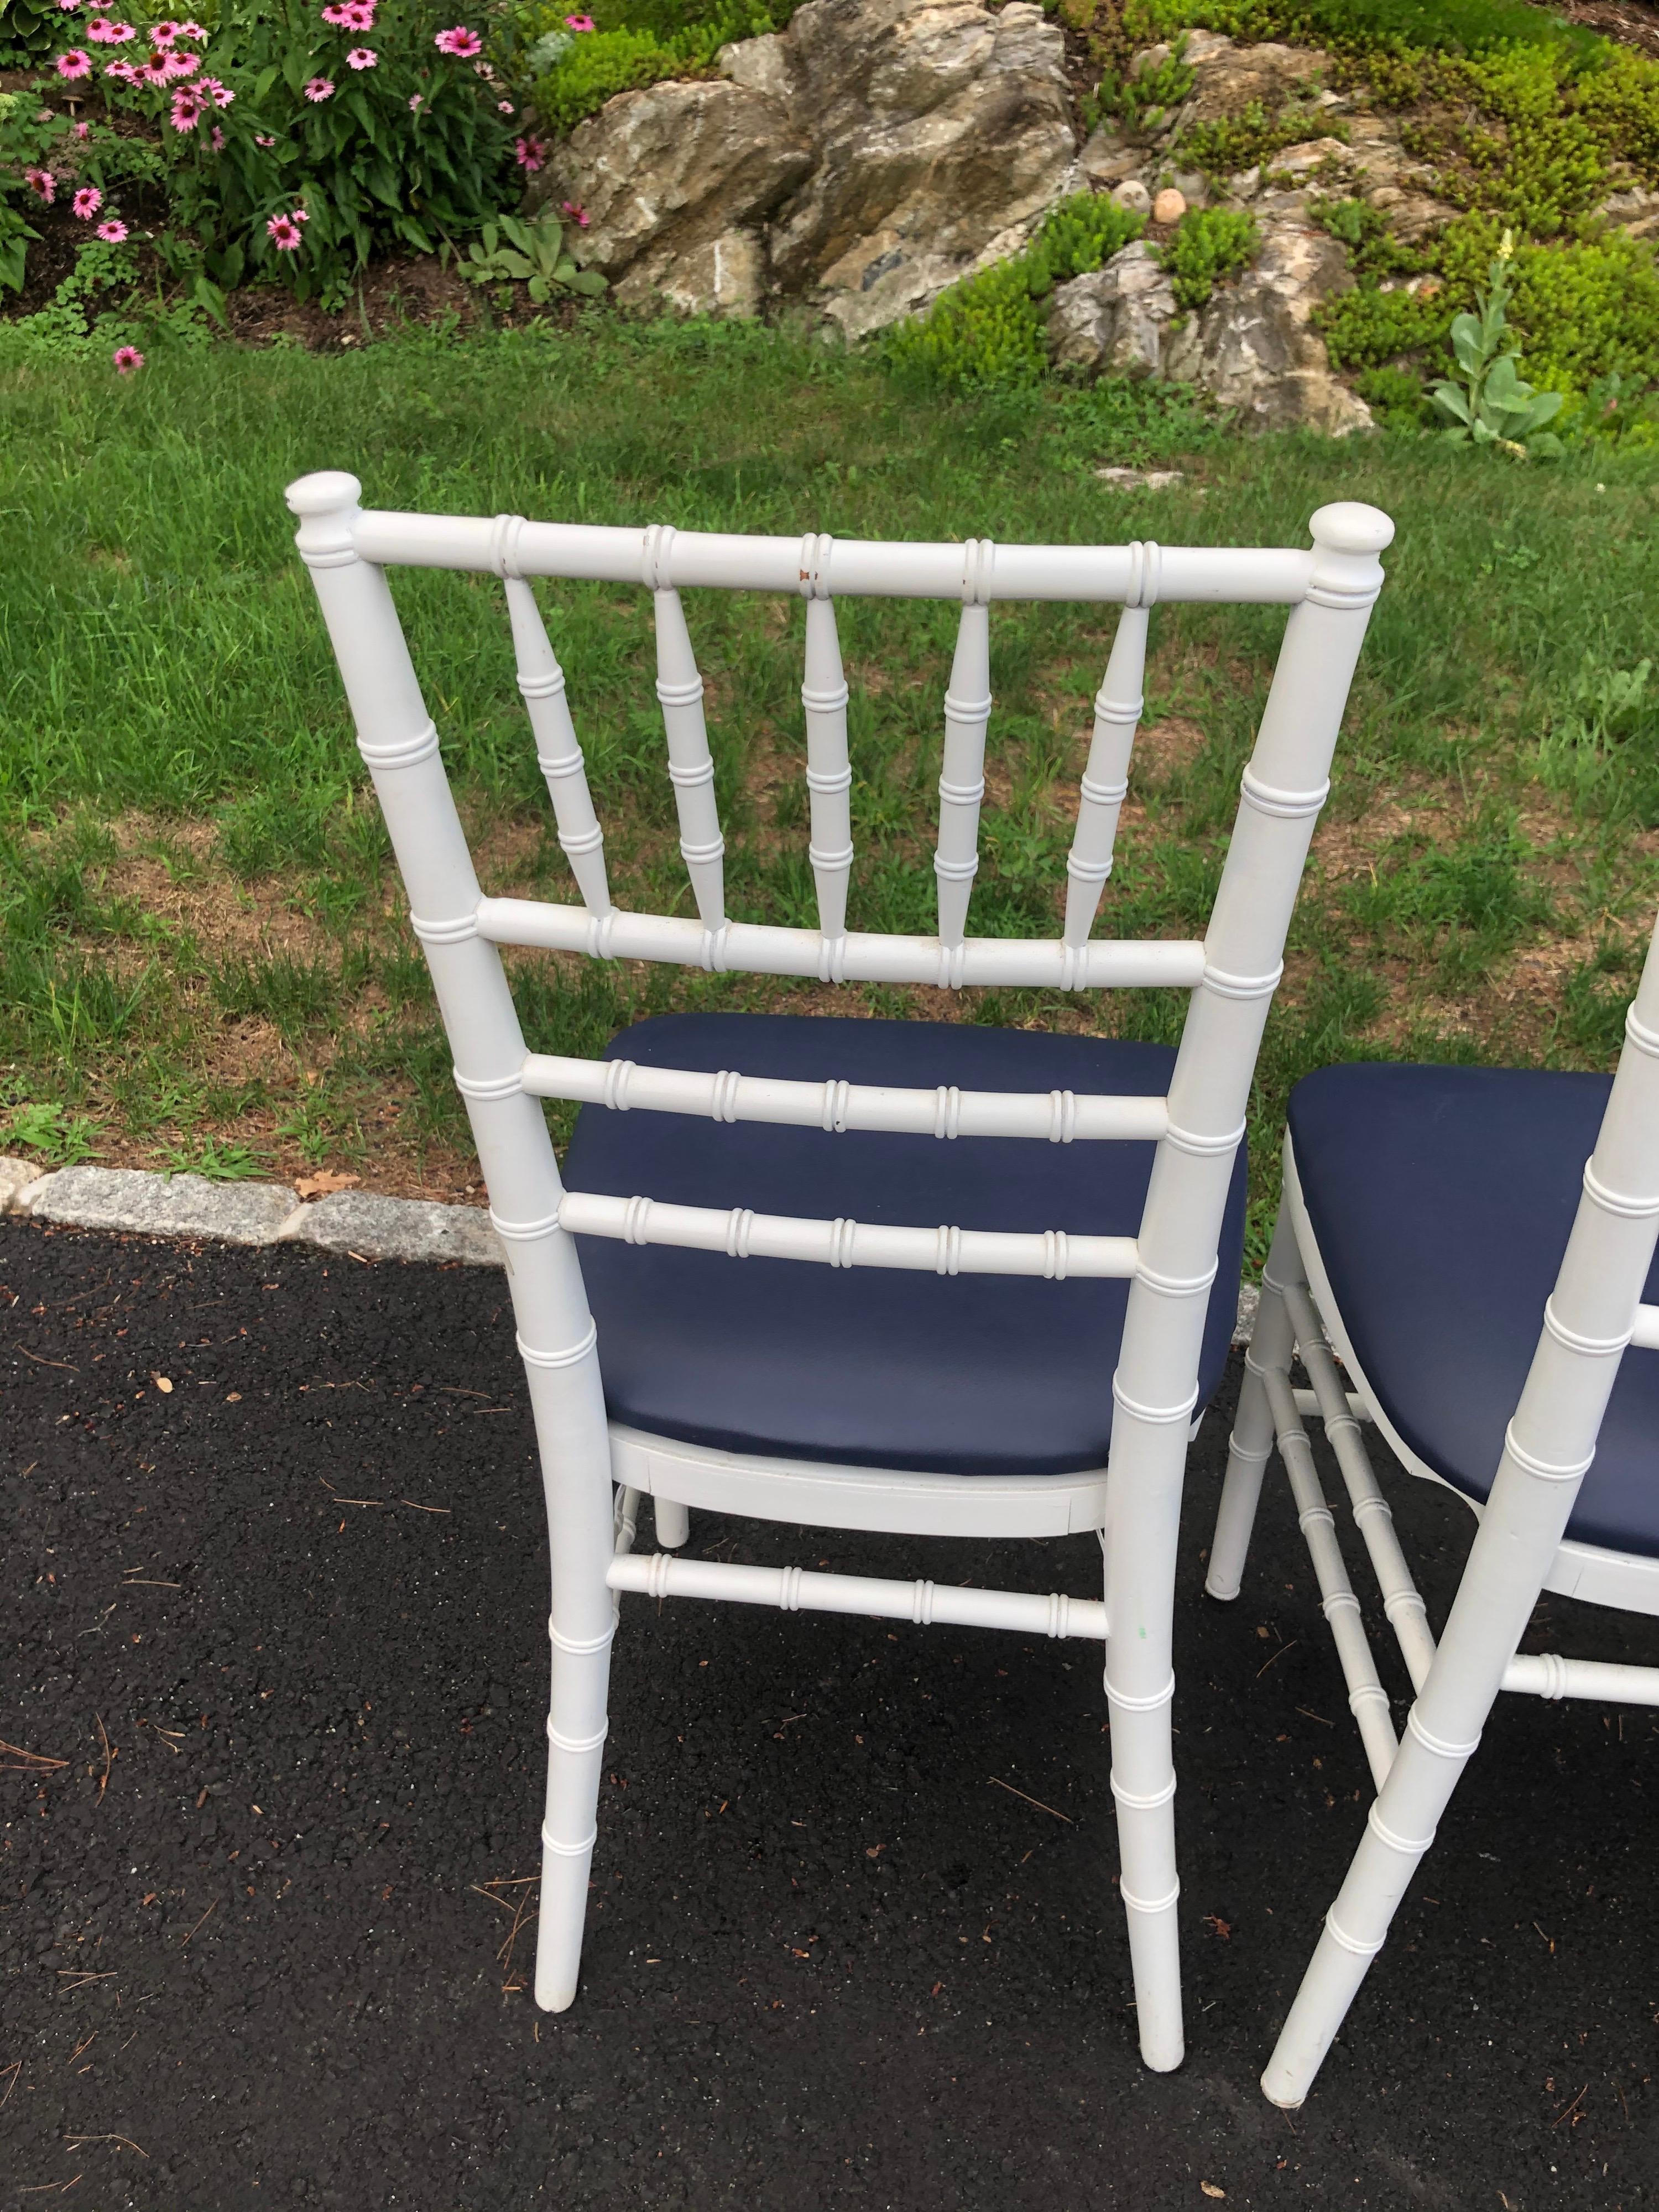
pixel 1433 1219
pixel 961 1388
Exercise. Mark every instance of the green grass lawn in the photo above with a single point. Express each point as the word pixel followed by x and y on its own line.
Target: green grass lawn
pixel 203 958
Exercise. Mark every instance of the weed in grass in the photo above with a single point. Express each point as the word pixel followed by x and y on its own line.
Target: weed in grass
pixel 1603 746
pixel 1594 998
pixel 293 994
pixel 1469 903
pixel 217 1160
pixel 61 1139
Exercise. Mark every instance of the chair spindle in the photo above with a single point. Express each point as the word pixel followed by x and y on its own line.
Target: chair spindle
pixel 961 785
pixel 541 681
pixel 1106 780
pixel 690 765
pixel 828 772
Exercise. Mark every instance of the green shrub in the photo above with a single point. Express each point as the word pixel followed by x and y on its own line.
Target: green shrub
pixel 1373 249
pixel 591 67
pixel 1208 244
pixel 1472 26
pixel 988 329
pixel 1366 327
pixel 1137 99
pixel 1244 141
pixel 1395 396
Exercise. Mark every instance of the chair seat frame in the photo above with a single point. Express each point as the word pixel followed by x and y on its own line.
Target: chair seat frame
pixel 593 1476
pixel 1594 1315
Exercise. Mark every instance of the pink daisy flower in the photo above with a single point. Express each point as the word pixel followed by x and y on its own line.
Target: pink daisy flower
pixel 191 31
pixel 503 107
pixel 179 63
pixel 126 359
pixel 259 140
pixel 302 215
pixel 82 130
pixel 220 95
pixel 187 110
pixel 362 57
pixel 69 6
pixel 460 42
pixel 416 101
pixel 216 140
pixel 104 31
pixel 577 213
pixel 164 34
pixel 319 89
pixel 156 69
pixel 123 72
pixel 43 182
pixel 114 231
pixel 579 22
pixel 529 154
pixel 285 233
pixel 87 202
pixel 74 63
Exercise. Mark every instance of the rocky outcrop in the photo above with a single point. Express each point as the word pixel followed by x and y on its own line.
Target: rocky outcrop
pixel 1114 322
pixel 1251 347
pixel 941 134
pixel 676 181
pixel 865 158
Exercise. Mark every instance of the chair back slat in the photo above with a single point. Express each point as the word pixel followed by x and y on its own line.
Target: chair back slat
pixel 1106 778
pixel 828 770
pixel 541 681
pixel 691 763
pixel 962 780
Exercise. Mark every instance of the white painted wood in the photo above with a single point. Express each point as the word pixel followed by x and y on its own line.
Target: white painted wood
pixel 1050 1254
pixel 1106 778
pixel 690 764
pixel 541 683
pixel 673 1524
pixel 1593 1315
pixel 1063 1117
pixel 1172 1264
pixel 999 963
pixel 792 1590
pixel 1207 574
pixel 962 782
pixel 828 770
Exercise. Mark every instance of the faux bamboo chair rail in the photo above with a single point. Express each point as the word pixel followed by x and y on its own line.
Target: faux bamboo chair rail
pixel 1431 1218
pixel 799 1125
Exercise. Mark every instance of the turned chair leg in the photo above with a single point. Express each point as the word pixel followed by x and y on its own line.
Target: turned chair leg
pixel 673 1523
pixel 1272 1342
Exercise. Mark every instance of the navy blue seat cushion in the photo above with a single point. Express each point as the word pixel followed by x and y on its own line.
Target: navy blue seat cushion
pixel 963 1374
pixel 1441 1200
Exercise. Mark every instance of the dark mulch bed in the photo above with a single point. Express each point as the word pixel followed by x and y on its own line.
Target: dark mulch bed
pixel 251 1955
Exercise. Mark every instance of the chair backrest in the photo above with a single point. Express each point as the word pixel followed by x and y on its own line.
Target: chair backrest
pixel 1231 972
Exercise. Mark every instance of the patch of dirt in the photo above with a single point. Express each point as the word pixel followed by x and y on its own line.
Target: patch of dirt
pixel 1632 22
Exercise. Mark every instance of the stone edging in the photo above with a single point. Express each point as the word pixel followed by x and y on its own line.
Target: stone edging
pixel 358 1222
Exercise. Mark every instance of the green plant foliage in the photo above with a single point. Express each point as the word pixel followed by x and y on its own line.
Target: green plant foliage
pixel 988 330
pixel 1367 327
pixel 1235 142
pixel 1373 249
pixel 1603 745
pixel 1209 244
pixel 1139 100
pixel 509 251
pixel 586 69
pixel 61 1139
pixel 29 29
pixel 1471 26
pixel 1489 403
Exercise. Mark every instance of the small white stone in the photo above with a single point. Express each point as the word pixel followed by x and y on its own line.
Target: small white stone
pixel 1133 194
pixel 1170 205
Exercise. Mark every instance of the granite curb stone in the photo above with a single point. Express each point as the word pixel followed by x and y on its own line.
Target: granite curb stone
pixel 163 1206
pixel 395 1229
pixel 17 1178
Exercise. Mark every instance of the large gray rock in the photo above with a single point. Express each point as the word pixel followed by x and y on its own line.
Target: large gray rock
pixel 1253 347
pixel 163 1206
pixel 1114 321
pixel 674 180
pixel 941 134
pixel 866 157
pixel 1227 78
